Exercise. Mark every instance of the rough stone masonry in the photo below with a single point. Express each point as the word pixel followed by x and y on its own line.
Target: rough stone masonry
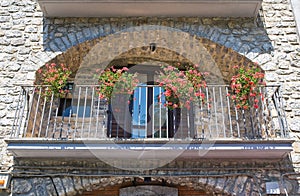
pixel 28 41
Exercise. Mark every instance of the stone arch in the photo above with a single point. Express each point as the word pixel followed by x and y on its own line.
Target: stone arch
pixel 132 45
pixel 211 185
pixel 219 30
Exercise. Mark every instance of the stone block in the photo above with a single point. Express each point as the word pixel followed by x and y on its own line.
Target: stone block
pixel 59 186
pixel 68 185
pixel 21 186
pixel 4 42
pixel 270 66
pixel 17 42
pixel 295 125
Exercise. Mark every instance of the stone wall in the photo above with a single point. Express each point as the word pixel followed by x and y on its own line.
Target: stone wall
pixel 28 41
pixel 21 27
pixel 218 177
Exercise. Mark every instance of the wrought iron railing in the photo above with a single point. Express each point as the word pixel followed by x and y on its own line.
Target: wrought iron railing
pixel 82 114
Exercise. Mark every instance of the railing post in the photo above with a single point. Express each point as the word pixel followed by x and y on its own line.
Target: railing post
pixel 285 124
pixel 49 116
pixel 229 112
pixel 17 113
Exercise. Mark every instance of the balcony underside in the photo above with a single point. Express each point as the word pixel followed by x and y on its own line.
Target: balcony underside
pixel 101 8
pixel 150 149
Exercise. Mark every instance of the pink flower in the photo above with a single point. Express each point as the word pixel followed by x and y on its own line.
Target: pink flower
pixel 197 94
pixel 168 93
pixel 174 88
pixel 245 107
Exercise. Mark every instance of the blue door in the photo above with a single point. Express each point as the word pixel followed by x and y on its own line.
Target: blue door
pixel 149 114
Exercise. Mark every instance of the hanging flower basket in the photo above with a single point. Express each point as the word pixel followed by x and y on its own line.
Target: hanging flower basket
pixel 182 87
pixel 245 87
pixel 55 78
pixel 116 81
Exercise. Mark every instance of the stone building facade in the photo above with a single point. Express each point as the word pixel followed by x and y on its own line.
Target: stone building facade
pixel 28 40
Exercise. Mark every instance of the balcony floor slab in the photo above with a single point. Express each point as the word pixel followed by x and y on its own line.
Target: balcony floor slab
pixel 150 149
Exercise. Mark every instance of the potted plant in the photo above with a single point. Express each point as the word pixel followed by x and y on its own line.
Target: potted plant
pixel 245 87
pixel 55 78
pixel 113 81
pixel 182 87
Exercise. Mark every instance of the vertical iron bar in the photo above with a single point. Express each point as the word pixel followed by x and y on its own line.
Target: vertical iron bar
pixel 160 116
pixel 30 103
pixel 229 112
pixel 49 115
pixel 91 112
pixel 285 126
pixel 125 118
pixel 104 120
pixel 244 121
pixel 140 108
pixel 97 115
pixel 17 113
pixel 118 115
pixel 77 111
pixel 36 111
pixel 174 122
pixel 63 117
pixel 69 123
pixel 264 108
pixel 251 121
pixel 55 121
pixel 42 117
pixel 223 115
pixel 278 112
pixel 188 124
pixel 167 116
pixel 208 111
pixel 201 116
pixel 181 124
pixel 215 110
pixel 237 121
pixel 84 110
pixel 21 116
pixel 146 111
pixel 153 111
pixel 259 132
pixel 110 119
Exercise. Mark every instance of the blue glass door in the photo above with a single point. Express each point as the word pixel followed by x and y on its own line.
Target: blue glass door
pixel 139 112
pixel 149 114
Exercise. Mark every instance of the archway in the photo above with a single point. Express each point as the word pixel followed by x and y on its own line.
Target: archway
pixel 186 186
pixel 156 45
pixel 172 46
pixel 115 190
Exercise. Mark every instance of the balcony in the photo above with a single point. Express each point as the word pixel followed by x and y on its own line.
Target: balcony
pixel 117 8
pixel 80 121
